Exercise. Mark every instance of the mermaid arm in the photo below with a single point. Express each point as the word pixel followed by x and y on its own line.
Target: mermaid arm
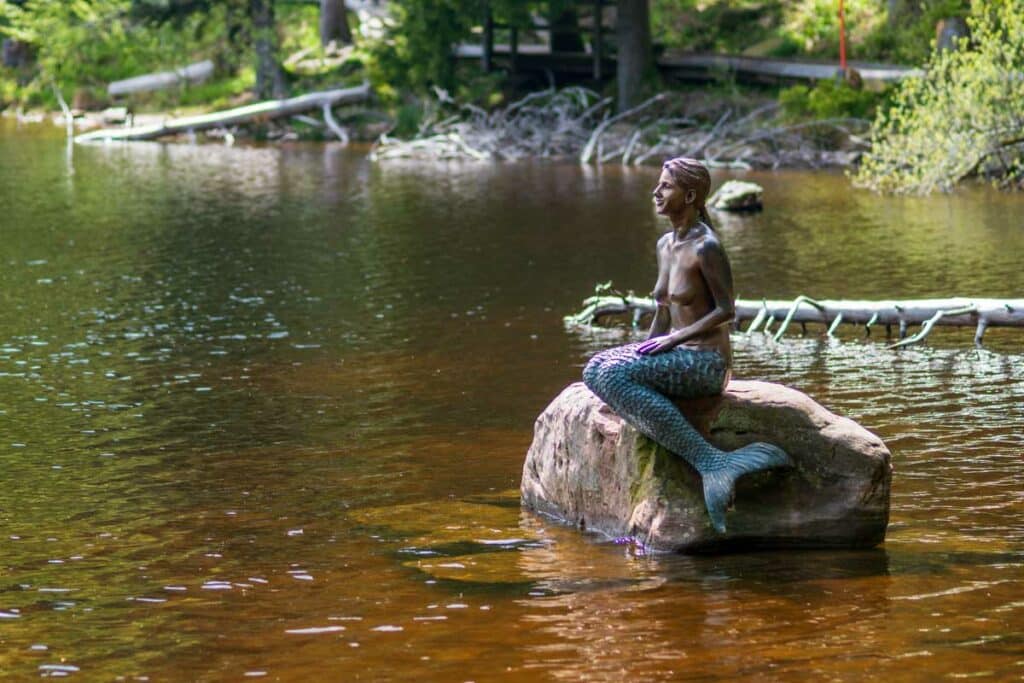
pixel 662 321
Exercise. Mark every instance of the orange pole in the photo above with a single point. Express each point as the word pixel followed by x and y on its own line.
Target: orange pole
pixel 842 37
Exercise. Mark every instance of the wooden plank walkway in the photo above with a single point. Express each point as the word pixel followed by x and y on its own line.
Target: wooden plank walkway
pixel 777 69
pixel 692 67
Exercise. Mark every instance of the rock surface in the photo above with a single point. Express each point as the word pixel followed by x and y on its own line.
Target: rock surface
pixel 737 195
pixel 589 468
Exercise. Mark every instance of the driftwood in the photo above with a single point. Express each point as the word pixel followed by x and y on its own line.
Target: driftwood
pixel 548 123
pixel 959 312
pixel 261 111
pixel 193 73
pixel 576 122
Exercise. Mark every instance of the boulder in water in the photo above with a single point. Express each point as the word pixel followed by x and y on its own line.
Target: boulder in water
pixel 588 467
pixel 737 195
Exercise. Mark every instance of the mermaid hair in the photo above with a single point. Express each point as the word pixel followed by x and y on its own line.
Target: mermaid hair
pixel 690 174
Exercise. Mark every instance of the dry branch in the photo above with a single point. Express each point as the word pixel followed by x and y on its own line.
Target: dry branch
pixel 958 312
pixel 576 122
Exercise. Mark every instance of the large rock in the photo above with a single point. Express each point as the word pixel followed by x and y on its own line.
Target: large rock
pixel 589 468
pixel 737 195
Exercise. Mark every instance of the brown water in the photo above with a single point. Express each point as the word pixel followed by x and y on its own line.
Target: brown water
pixel 263 413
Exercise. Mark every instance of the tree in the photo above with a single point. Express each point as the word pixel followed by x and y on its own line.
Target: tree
pixel 635 59
pixel 565 29
pixel 962 117
pixel 269 76
pixel 334 23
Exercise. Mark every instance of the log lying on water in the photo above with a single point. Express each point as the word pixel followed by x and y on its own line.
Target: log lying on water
pixel 958 312
pixel 261 111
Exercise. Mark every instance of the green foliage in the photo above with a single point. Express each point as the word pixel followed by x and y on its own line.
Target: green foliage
pixel 828 99
pixel 785 28
pixel 85 44
pixel 416 50
pixel 814 25
pixel 910 38
pixel 716 25
pixel 68 35
pixel 407 119
pixel 963 116
pixel 219 93
pixel 300 26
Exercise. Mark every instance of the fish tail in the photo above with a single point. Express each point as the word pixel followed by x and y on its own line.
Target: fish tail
pixel 720 482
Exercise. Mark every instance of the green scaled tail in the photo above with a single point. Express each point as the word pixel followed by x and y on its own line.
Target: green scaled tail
pixel 720 483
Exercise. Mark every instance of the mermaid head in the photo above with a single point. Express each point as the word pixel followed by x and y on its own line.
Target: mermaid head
pixel 690 175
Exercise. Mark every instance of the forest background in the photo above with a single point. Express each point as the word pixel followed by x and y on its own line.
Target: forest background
pixel 264 48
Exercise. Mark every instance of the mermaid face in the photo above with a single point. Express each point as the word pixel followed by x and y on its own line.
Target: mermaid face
pixel 669 198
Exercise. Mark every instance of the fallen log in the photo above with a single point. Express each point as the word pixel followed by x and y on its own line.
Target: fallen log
pixel 956 312
pixel 193 73
pixel 261 111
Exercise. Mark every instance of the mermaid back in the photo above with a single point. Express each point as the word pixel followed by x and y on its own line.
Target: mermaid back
pixel 638 387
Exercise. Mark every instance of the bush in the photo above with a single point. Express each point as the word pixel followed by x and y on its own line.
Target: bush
pixel 828 99
pixel 910 39
pixel 963 116
pixel 85 44
pixel 777 28
pixel 416 49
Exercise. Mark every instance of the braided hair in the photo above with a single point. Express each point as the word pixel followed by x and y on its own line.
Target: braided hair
pixel 690 174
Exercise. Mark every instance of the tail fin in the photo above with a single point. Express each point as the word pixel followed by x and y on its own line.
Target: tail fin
pixel 720 484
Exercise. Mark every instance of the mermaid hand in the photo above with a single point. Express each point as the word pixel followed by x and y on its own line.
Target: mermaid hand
pixel 656 345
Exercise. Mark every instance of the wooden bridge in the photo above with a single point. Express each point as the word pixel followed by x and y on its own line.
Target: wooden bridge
pixel 596 62
pixel 680 66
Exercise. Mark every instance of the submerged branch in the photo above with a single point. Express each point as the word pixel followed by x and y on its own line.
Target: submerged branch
pixel 956 312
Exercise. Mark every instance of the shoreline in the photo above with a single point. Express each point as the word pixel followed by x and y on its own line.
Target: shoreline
pixel 481 136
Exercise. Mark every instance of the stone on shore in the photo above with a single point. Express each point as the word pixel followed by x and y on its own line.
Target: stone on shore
pixel 588 467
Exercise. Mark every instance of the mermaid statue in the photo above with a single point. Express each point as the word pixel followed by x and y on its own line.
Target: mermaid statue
pixel 687 352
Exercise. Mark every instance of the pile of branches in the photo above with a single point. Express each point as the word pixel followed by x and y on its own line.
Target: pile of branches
pixel 578 123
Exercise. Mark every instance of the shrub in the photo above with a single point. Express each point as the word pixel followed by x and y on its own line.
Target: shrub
pixel 962 117
pixel 828 99
pixel 88 43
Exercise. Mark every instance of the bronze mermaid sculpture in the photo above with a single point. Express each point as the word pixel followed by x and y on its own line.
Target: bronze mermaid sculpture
pixel 687 352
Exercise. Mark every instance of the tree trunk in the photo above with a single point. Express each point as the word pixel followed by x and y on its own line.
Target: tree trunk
pixel 565 31
pixel 269 77
pixel 633 30
pixel 15 53
pixel 333 23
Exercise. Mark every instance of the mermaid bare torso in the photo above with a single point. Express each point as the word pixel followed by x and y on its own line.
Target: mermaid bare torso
pixel 686 292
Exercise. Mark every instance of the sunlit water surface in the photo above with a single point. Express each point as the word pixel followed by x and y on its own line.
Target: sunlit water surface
pixel 263 414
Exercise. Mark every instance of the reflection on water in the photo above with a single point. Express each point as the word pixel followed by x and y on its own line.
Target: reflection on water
pixel 263 412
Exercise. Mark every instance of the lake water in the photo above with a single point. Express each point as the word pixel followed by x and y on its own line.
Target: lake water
pixel 263 413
